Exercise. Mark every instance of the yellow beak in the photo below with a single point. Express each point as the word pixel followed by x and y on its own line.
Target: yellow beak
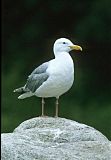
pixel 76 47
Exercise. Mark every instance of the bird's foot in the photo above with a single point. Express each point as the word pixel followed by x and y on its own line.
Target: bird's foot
pixel 55 116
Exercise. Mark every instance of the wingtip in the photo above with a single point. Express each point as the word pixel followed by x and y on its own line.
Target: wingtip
pixel 19 97
pixel 15 90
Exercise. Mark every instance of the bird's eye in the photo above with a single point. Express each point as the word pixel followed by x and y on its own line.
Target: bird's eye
pixel 64 42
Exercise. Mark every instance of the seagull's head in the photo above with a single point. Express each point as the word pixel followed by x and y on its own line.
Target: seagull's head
pixel 64 45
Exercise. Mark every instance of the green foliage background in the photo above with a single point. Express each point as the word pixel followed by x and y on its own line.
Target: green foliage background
pixel 29 29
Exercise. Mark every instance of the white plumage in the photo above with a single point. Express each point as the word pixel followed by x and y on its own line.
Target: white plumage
pixel 53 78
pixel 61 76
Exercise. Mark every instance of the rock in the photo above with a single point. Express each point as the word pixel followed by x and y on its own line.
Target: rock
pixel 55 139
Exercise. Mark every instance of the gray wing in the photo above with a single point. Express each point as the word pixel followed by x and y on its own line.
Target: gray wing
pixel 37 77
pixel 41 69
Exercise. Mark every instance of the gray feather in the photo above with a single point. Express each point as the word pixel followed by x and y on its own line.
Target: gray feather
pixel 21 90
pixel 35 79
pixel 41 69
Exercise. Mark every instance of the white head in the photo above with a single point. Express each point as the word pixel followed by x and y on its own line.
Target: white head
pixel 64 45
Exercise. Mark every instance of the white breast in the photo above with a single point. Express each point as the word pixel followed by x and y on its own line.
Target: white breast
pixel 61 71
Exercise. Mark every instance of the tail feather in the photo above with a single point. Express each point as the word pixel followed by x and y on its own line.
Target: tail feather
pixel 24 92
pixel 25 95
pixel 20 90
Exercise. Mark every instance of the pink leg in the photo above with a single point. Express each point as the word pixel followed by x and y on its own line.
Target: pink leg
pixel 57 105
pixel 43 102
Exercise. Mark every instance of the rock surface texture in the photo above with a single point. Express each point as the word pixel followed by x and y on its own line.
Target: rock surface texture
pixel 54 139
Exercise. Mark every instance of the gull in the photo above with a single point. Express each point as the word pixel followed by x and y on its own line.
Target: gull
pixel 52 78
